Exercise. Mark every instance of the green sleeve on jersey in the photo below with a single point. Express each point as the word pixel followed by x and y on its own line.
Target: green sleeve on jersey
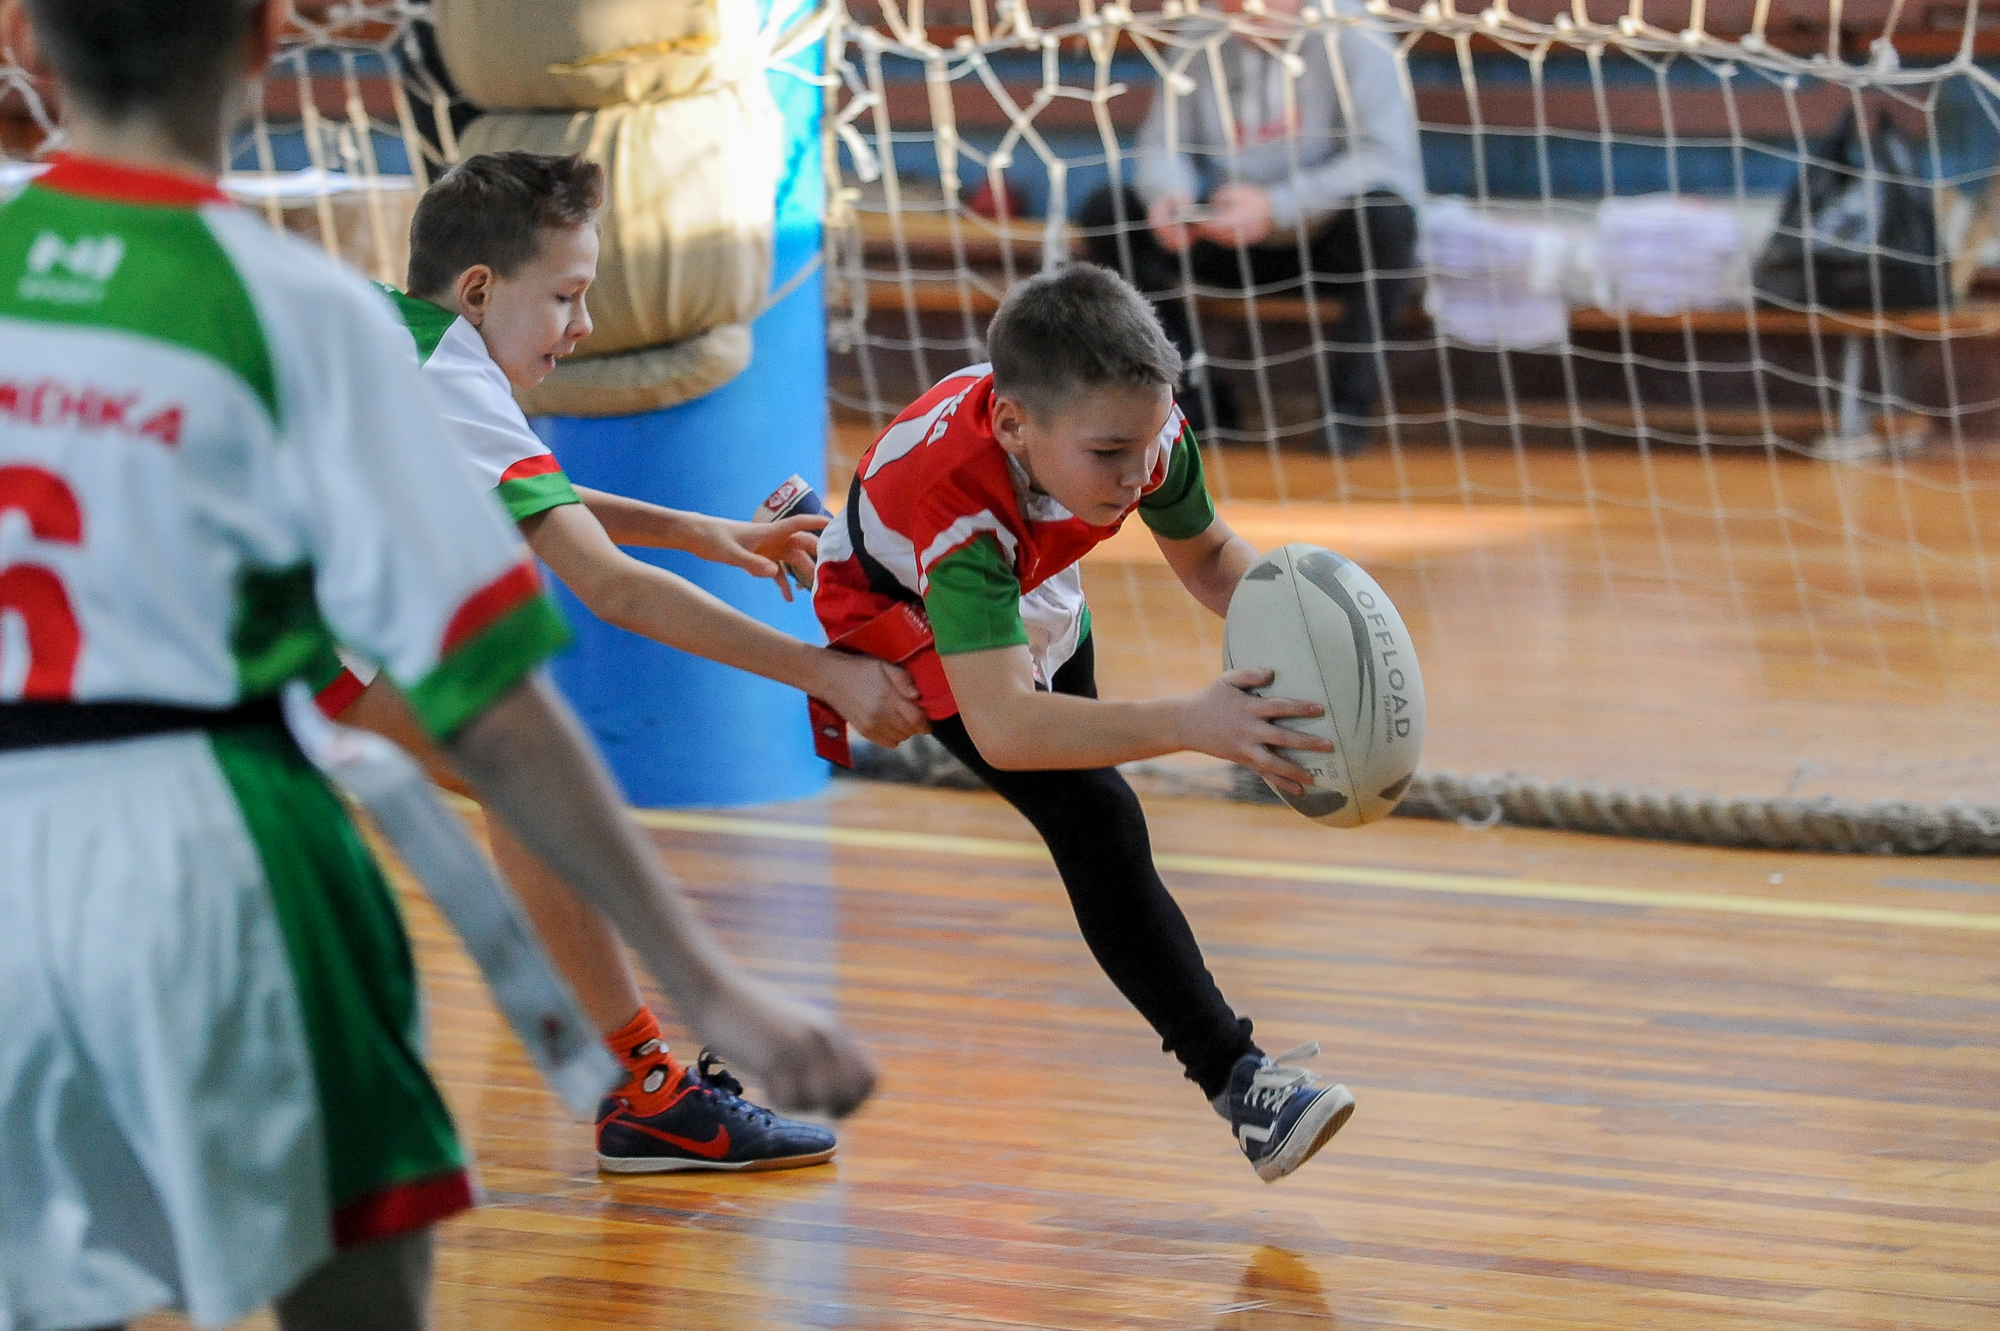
pixel 427 323
pixel 525 496
pixel 485 666
pixel 974 601
pixel 1180 509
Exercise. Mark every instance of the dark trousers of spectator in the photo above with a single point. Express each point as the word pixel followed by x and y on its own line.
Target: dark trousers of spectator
pixel 1373 282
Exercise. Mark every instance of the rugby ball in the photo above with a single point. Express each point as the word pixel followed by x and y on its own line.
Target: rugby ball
pixel 1331 635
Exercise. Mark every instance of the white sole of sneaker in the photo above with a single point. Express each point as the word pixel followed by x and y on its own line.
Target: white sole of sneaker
pixel 1326 1116
pixel 609 1164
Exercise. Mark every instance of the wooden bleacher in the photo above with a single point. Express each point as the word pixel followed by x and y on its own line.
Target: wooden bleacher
pixel 1975 319
pixel 936 286
pixel 937 264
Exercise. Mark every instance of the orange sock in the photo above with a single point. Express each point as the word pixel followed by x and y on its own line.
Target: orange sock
pixel 655 1076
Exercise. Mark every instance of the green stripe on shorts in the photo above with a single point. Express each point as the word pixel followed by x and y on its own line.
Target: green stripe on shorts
pixel 386 1124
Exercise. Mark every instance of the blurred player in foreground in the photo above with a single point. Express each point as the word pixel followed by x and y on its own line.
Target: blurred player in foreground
pixel 214 459
pixel 958 555
pixel 503 251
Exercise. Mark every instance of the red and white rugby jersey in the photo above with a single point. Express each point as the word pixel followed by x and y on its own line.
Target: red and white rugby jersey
pixel 216 460
pixel 472 391
pixel 953 521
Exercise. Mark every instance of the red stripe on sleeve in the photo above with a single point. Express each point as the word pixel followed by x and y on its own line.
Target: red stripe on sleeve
pixel 539 465
pixel 340 695
pixel 511 589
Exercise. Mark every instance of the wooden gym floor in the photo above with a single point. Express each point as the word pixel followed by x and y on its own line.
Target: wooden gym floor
pixel 1733 624
pixel 1601 1083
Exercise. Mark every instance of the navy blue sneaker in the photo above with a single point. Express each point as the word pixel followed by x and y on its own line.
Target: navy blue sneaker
pixel 1281 1113
pixel 705 1124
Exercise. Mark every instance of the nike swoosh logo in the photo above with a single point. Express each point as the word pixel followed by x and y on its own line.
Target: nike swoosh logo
pixel 713 1149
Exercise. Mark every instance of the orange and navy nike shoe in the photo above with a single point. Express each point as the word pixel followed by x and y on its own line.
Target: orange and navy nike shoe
pixel 705 1124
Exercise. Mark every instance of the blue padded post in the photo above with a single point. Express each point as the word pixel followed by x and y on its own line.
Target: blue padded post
pixel 680 731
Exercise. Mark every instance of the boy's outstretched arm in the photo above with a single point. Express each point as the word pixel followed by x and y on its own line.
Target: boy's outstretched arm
pixel 880 699
pixel 1019 728
pixel 758 548
pixel 1211 564
pixel 531 765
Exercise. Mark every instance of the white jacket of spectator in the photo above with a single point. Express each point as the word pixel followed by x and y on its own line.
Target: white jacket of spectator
pixel 1346 141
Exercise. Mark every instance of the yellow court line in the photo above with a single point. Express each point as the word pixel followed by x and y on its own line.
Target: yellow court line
pixel 1408 880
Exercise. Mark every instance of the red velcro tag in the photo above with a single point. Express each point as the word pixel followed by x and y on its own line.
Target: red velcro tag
pixel 829 733
pixel 927 670
pixel 895 635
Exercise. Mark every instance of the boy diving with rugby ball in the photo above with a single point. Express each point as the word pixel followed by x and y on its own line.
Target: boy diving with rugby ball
pixel 503 251
pixel 216 461
pixel 957 557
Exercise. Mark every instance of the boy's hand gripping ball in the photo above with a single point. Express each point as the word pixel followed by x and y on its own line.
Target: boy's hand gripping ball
pixel 1332 636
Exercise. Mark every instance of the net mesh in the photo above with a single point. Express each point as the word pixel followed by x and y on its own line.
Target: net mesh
pixel 1649 531
pixel 351 120
pixel 349 109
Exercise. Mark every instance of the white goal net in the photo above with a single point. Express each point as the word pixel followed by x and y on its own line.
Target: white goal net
pixel 352 119
pixel 1677 450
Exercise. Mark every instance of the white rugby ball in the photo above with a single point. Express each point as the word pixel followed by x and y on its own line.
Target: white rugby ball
pixel 1332 636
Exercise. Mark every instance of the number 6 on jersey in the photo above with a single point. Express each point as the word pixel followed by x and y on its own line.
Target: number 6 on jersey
pixel 36 619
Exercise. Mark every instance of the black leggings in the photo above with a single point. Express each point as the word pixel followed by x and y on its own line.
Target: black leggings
pixel 1094 827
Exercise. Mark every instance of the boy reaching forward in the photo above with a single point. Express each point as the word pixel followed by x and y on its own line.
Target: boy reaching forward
pixel 975 506
pixel 503 250
pixel 213 461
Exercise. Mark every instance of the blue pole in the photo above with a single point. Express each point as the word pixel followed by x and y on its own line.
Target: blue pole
pixel 677 730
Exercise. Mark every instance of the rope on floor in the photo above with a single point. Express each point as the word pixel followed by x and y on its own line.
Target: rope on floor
pixel 1825 825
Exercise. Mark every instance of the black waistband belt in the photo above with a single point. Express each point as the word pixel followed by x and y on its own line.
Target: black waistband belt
pixel 41 725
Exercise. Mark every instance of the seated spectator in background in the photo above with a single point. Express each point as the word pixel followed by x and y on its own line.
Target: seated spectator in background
pixel 1231 206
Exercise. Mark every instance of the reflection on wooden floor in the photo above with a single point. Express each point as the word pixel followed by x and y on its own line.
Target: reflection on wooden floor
pixel 1734 624
pixel 1572 1114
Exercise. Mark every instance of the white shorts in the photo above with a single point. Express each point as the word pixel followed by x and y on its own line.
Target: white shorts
pixel 208 1076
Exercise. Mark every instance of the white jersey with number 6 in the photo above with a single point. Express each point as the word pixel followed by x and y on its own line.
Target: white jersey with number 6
pixel 216 460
